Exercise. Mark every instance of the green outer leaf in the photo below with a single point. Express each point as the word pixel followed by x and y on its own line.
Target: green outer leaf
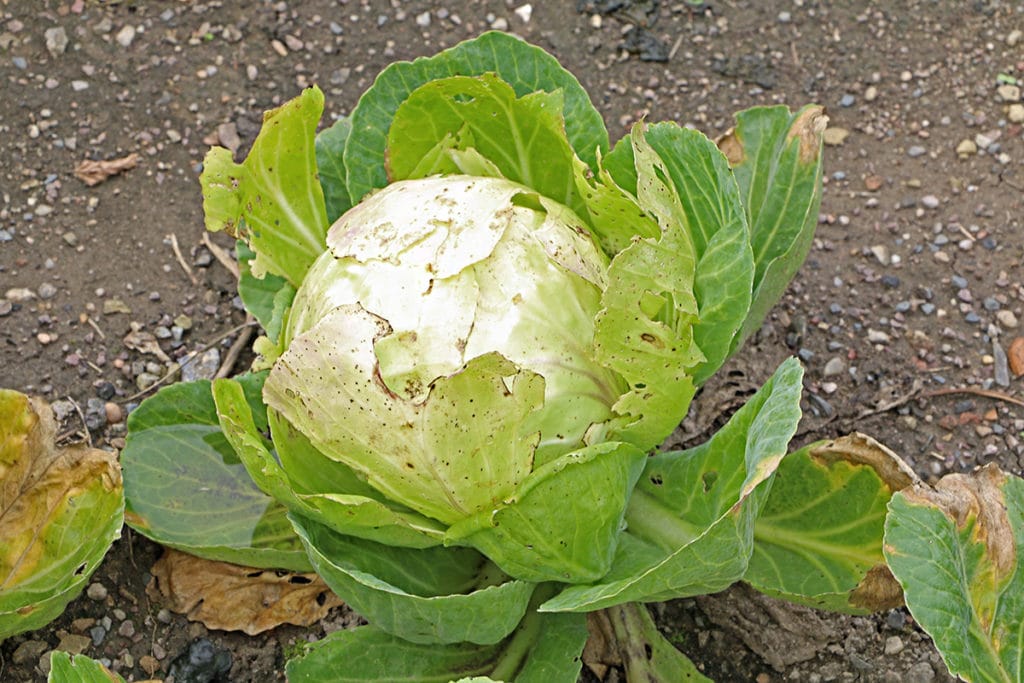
pixel 546 648
pixel 430 595
pixel 273 199
pixel 368 654
pixel 690 521
pixel 776 158
pixel 267 298
pixel 543 535
pixel 819 532
pixel 78 669
pixel 186 488
pixel 957 554
pixel 330 148
pixel 716 223
pixel 75 510
pixel 523 137
pixel 525 67
pixel 355 515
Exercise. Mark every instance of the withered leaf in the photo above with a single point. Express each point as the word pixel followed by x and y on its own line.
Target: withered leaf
pixel 60 509
pixel 234 598
pixel 95 172
pixel 144 342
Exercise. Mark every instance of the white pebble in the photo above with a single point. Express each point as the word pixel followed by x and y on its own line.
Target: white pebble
pixel 125 36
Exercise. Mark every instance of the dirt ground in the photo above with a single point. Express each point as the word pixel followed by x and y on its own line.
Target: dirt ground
pixel 903 314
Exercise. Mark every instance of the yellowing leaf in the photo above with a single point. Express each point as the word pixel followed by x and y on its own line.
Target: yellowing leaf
pixel 60 509
pixel 234 598
pixel 955 550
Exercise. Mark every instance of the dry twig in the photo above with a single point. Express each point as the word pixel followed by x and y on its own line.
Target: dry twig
pixel 222 256
pixel 231 357
pixel 181 259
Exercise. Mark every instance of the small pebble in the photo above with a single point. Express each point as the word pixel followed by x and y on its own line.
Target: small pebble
pixel 834 366
pixel 96 591
pixel 125 36
pixel 1000 365
pixel 966 148
pixel 28 651
pixel 113 412
pixel 56 40
pixel 916 151
pixel 893 645
pixel 930 201
pixel 1006 319
pixel 878 337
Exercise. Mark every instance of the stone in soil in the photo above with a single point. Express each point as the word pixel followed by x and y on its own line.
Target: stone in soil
pixel 201 663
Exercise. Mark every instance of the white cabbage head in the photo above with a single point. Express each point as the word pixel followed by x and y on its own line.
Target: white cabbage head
pixel 443 346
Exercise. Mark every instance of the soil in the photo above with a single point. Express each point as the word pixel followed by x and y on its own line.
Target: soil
pixel 913 284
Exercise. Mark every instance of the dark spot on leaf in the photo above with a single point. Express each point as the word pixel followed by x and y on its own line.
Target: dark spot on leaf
pixel 709 478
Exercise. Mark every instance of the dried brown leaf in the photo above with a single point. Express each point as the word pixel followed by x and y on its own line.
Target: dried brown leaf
pixel 144 342
pixel 860 449
pixel 731 147
pixel 877 591
pixel 95 172
pixel 234 598
pixel 809 126
pixel 980 496
pixel 601 651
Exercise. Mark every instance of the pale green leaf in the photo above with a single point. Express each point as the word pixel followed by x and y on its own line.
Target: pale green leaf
pixel 330 149
pixel 526 68
pixel 267 298
pixel 545 648
pixel 542 535
pixel 776 158
pixel 440 462
pixel 690 521
pixel 273 199
pixel 430 595
pixel 818 540
pixel 343 510
pixel 65 668
pixel 956 550
pixel 524 138
pixel 713 218
pixel 645 332
pixel 186 487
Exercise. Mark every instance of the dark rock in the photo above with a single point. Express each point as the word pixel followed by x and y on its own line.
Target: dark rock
pixel 201 663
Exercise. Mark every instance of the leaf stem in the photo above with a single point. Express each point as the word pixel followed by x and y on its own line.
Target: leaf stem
pixel 648 519
pixel 523 640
